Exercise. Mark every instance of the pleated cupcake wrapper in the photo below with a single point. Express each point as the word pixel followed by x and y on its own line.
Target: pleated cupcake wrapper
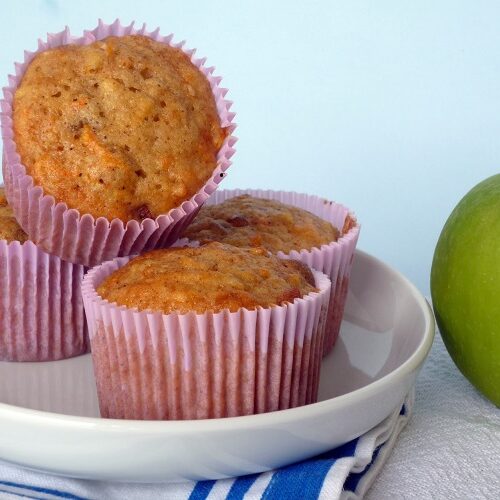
pixel 155 366
pixel 41 307
pixel 80 238
pixel 334 259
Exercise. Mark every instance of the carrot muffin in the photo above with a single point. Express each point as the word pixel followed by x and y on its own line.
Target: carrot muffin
pixel 41 306
pixel 125 127
pixel 213 277
pixel 208 332
pixel 246 221
pixel 264 218
pixel 9 228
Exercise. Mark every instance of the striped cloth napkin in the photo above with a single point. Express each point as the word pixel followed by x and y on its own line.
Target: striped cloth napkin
pixel 344 473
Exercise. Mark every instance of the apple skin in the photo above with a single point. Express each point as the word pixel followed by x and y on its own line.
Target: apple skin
pixel 465 286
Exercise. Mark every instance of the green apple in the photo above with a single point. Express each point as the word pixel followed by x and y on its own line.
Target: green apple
pixel 465 286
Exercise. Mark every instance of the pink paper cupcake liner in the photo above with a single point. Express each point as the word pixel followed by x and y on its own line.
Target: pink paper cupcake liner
pixel 153 366
pixel 333 259
pixel 41 307
pixel 80 238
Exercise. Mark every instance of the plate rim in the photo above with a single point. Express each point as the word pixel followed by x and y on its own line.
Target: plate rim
pixel 246 421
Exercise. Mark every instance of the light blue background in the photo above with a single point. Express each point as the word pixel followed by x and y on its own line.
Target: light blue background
pixel 390 107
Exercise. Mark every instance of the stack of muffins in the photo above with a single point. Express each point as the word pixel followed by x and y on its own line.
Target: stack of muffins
pixel 113 142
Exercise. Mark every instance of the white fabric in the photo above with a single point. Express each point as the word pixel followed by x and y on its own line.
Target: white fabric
pixel 451 447
pixel 390 439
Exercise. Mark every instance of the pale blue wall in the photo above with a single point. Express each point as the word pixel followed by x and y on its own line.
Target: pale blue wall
pixel 392 107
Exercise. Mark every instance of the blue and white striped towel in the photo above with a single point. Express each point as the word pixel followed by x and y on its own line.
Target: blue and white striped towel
pixel 343 473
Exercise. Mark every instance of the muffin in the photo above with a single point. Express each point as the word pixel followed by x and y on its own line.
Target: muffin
pixel 41 307
pixel 213 331
pixel 247 221
pixel 210 278
pixel 113 141
pixel 126 127
pixel 320 233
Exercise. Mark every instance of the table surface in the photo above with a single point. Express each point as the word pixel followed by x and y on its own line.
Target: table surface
pixel 450 449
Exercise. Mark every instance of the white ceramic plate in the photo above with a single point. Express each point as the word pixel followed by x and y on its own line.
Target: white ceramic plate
pixel 49 414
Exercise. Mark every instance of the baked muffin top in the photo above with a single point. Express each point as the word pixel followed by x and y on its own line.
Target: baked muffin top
pixel 125 127
pixel 209 278
pixel 246 221
pixel 9 228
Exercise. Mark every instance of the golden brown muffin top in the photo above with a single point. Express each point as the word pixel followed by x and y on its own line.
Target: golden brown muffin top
pixel 9 228
pixel 245 221
pixel 209 278
pixel 125 127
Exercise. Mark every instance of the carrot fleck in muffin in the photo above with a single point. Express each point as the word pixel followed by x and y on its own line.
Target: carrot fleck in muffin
pixel 125 127
pixel 246 221
pixel 213 277
pixel 9 228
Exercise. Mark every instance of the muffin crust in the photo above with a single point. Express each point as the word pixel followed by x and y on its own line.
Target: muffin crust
pixel 209 278
pixel 125 127
pixel 246 221
pixel 9 228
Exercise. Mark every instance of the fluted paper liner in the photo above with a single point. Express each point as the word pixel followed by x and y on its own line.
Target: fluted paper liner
pixel 334 259
pixel 155 366
pixel 80 238
pixel 41 307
